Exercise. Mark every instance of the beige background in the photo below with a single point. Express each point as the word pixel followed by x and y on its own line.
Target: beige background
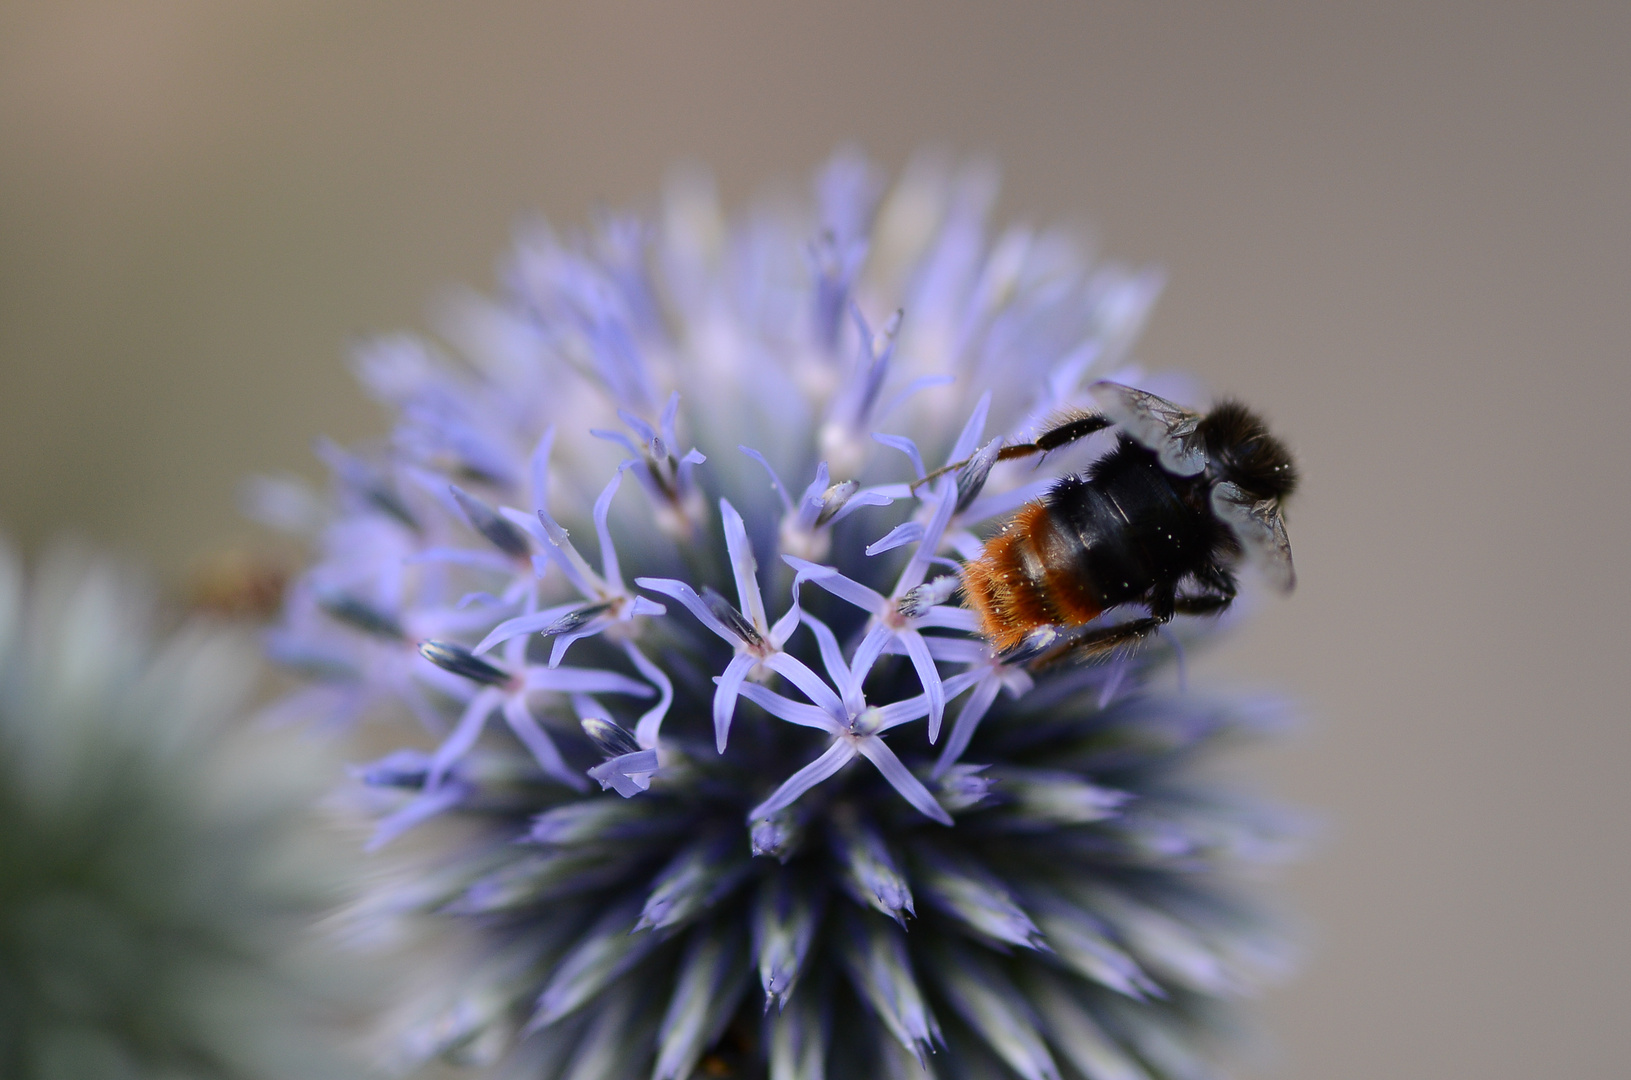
pixel 1404 230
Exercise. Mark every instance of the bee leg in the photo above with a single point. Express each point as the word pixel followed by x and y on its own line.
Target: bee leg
pixel 1098 642
pixel 1069 430
pixel 1163 602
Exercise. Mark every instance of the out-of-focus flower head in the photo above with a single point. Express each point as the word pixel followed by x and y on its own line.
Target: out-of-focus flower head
pixel 154 889
pixel 645 558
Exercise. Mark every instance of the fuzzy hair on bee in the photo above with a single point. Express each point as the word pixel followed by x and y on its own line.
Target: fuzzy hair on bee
pixel 1162 521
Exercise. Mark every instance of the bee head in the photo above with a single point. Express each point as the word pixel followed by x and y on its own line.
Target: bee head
pixel 1243 452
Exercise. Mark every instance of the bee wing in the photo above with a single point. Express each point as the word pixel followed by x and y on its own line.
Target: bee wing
pixel 1262 532
pixel 1156 423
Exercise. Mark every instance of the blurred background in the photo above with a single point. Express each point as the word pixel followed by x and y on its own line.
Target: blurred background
pixel 1402 230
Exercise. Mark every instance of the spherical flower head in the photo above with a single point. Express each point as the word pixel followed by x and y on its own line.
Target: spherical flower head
pixel 664 557
pixel 153 892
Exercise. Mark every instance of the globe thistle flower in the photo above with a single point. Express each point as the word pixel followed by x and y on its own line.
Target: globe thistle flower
pixel 153 886
pixel 744 793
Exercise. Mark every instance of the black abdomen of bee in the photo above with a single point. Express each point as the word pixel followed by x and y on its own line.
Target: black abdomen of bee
pixel 1130 525
pixel 1126 531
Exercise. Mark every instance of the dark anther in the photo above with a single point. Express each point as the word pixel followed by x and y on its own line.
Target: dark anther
pixel 576 618
pixel 461 661
pixel 971 479
pixel 919 600
pixel 613 739
pixel 485 520
pixel 356 613
pixel 734 620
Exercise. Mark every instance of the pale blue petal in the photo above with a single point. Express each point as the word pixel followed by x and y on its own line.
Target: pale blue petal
pixel 796 672
pixel 743 566
pixel 832 658
pixel 651 721
pixel 775 481
pixel 794 712
pixel 900 778
pixel 535 739
pixel 968 721
pixel 905 533
pixel 835 582
pixel 725 694
pixel 929 676
pixel 464 735
pixel 907 447
pixel 839 754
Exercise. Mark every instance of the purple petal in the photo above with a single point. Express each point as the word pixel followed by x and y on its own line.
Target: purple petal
pixel 643 606
pixel 1003 503
pixel 970 435
pixel 421 808
pixel 725 694
pixel 535 739
pixel 570 680
pixel 918 567
pixel 868 651
pixel 865 497
pixel 566 556
pixel 901 778
pixel 665 423
pixel 959 650
pixel 743 566
pixel 832 657
pixel 686 595
pixel 785 625
pixel 617 437
pixel 645 732
pixel 539 470
pixel 775 481
pixel 641 428
pixel 523 624
pixel 794 671
pixel 836 583
pixel 904 533
pixel 839 754
pixel 897 713
pixel 534 528
pixel 794 712
pixel 810 502
pixel 564 641
pixel 929 676
pixel 968 721
pixel 946 617
pixel 907 447
pixel 608 553
pixel 627 774
pixel 464 735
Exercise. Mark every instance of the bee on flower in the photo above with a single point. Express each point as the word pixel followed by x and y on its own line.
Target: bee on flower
pixel 750 732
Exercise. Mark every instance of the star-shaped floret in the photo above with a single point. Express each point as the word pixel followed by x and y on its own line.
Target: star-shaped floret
pixel 758 643
pixel 606 601
pixel 856 727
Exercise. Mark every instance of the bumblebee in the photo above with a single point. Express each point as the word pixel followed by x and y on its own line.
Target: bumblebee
pixel 1161 521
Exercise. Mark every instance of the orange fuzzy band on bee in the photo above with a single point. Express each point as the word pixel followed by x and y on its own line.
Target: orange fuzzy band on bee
pixel 1028 577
